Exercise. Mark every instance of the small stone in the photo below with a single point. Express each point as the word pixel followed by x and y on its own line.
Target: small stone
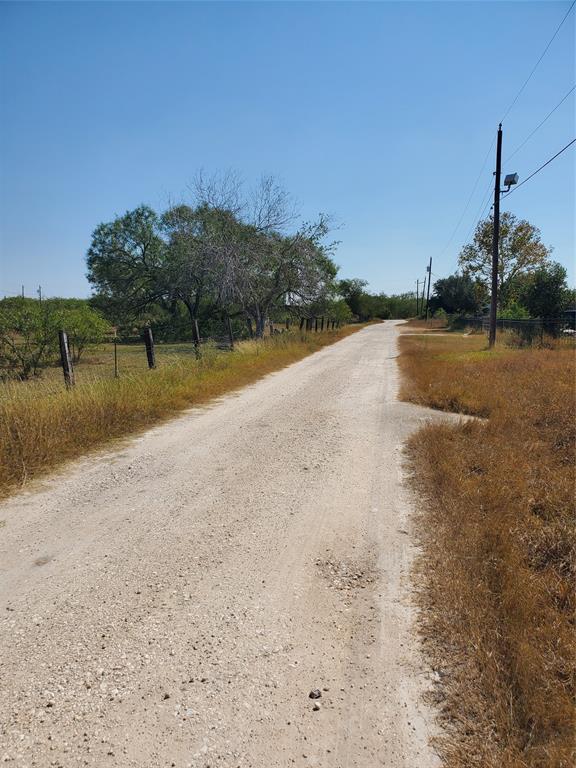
pixel 316 708
pixel 166 696
pixel 316 693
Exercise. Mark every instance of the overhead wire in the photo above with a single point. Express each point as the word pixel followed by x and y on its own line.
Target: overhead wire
pixel 535 67
pixel 457 227
pixel 527 139
pixel 540 168
pixel 485 199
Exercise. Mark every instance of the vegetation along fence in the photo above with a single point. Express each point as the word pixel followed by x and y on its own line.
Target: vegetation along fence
pixel 140 351
pixel 533 332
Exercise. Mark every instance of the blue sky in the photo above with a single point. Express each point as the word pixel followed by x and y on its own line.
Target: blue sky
pixel 378 113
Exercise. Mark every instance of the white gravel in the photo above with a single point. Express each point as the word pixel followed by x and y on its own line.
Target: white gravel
pixel 174 602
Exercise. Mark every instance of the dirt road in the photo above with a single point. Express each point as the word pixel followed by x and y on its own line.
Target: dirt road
pixel 175 601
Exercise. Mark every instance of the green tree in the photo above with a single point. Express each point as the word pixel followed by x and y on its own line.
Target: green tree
pixel 127 259
pixel 28 334
pixel 456 294
pixel 521 251
pixel 352 290
pixel 545 293
pixel 85 328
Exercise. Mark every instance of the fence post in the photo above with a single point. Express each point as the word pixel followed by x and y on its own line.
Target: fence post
pixel 196 337
pixel 302 319
pixel 322 323
pixel 316 325
pixel 287 323
pixel 149 344
pixel 66 360
pixel 115 354
pixel 230 334
pixel 271 324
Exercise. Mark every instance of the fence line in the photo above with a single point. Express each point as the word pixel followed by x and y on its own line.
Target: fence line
pixel 529 332
pixel 221 343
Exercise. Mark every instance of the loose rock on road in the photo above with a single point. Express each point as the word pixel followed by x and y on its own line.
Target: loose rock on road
pixel 177 601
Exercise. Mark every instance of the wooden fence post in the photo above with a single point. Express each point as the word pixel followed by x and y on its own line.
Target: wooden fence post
pixel 196 337
pixel 230 334
pixel 116 375
pixel 149 344
pixel 66 360
pixel 322 323
pixel 316 325
pixel 302 320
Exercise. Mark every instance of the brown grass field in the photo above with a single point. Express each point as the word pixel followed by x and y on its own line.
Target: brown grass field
pixel 42 424
pixel 498 562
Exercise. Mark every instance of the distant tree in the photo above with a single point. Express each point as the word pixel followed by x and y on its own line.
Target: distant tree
pixel 28 334
pixel 85 328
pixel 456 294
pixel 354 294
pixel 545 293
pixel 521 251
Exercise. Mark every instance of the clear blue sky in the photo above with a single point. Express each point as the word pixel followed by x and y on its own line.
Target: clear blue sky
pixel 378 113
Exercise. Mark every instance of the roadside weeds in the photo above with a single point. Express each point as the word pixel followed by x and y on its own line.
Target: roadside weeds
pixel 43 426
pixel 497 569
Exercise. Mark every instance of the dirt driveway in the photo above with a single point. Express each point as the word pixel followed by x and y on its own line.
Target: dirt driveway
pixel 175 601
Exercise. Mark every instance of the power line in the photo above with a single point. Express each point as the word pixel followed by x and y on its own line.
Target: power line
pixel 541 167
pixel 457 227
pixel 480 212
pixel 535 67
pixel 527 139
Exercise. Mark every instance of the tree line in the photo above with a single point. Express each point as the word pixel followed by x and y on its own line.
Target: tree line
pixel 228 258
pixel 530 283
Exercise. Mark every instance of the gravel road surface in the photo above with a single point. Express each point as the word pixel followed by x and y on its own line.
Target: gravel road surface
pixel 173 602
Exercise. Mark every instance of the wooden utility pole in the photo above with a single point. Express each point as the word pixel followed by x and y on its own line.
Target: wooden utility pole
pixel 429 269
pixel 65 359
pixel 417 297
pixel 495 241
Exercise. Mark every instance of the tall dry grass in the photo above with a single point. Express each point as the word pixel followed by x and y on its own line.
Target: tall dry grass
pixel 498 565
pixel 43 425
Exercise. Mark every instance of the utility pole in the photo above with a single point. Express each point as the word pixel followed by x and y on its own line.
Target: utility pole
pixel 429 270
pixel 22 291
pixel 495 241
pixel 40 293
pixel 417 297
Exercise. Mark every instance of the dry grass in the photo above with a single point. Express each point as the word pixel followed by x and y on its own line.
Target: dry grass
pixel 43 425
pixel 498 563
